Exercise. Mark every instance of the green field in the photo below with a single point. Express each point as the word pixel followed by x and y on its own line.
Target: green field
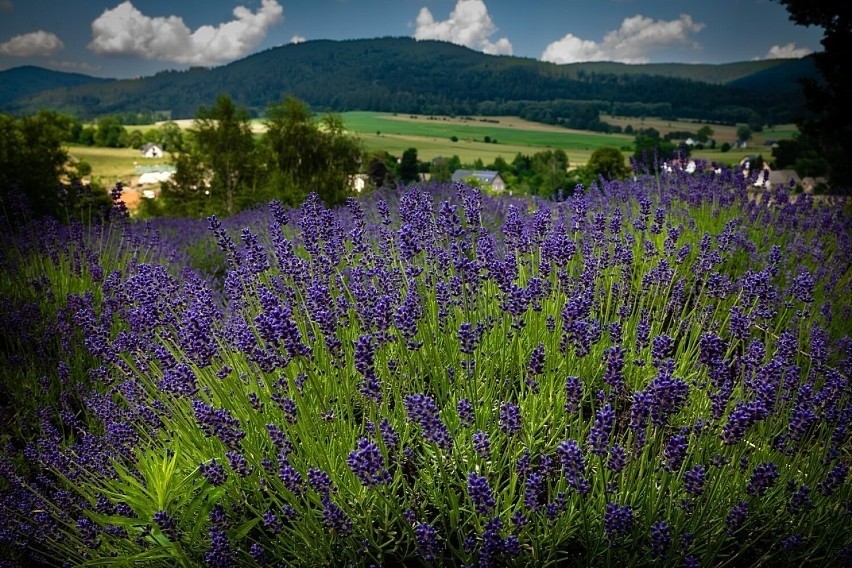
pixel 431 136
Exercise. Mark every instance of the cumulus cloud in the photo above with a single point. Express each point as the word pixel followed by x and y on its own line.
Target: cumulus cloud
pixel 124 30
pixel 789 51
pixel 631 43
pixel 34 44
pixel 469 24
pixel 298 39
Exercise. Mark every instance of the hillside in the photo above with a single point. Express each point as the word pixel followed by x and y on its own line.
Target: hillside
pixel 23 82
pixel 429 77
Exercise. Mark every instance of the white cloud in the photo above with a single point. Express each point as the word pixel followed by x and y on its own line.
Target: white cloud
pixel 631 43
pixel 789 51
pixel 33 44
pixel 7 6
pixel 298 39
pixel 124 30
pixel 469 24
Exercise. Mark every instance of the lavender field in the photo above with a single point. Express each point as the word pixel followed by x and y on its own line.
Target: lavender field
pixel 650 372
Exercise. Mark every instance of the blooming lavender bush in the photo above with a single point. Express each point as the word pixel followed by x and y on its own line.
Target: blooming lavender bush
pixel 651 372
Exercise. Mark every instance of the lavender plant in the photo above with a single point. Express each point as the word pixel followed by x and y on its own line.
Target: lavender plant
pixel 652 371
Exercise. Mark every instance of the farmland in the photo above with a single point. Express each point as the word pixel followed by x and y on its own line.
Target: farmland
pixel 432 137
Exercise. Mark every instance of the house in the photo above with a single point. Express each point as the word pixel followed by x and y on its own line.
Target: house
pixel 809 184
pixel 486 178
pixel 782 178
pixel 152 151
pixel 358 182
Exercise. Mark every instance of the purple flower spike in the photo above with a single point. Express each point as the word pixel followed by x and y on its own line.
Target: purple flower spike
pixel 510 419
pixel 618 521
pixel 422 409
pixel 762 479
pixel 366 462
pixel 480 493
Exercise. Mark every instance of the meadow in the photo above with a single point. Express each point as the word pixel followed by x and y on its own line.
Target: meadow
pixel 651 372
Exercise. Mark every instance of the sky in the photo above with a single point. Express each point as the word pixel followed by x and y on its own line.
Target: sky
pixel 137 38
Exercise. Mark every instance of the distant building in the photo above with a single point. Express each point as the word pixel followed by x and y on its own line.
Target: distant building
pixel 152 151
pixel 486 178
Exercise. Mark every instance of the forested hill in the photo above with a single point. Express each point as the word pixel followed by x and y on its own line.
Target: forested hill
pixel 23 82
pixel 404 75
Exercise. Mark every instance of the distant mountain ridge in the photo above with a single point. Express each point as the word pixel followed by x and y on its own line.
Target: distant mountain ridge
pixel 405 75
pixel 29 80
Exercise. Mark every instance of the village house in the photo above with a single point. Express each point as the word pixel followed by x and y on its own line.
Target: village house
pixel 151 150
pixel 486 178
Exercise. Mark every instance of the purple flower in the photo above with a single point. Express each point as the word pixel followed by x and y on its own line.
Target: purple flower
pixel 803 286
pixel 238 463
pixel 213 472
pixel 800 500
pixel 421 409
pixel 661 539
pixel 426 538
pixel 574 466
pixel 482 445
pixel 366 462
pixel 167 525
pixel 667 396
pixel 614 363
pixel 573 394
pixel 662 347
pixel 480 493
pixel 389 436
pixel 465 410
pixel 762 479
pixel 320 481
pixel 534 489
pixel 618 521
pixel 510 419
pixel 469 337
pixel 674 452
pixel 291 478
pixel 218 422
pixel 599 434
pixel 334 518
pixel 693 480
pixel 617 459
pixel 834 479
pixel 737 517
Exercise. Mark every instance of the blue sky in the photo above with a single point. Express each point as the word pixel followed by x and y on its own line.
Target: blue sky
pixel 133 38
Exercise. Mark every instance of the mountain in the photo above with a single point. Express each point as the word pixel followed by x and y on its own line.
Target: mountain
pixel 23 82
pixel 409 76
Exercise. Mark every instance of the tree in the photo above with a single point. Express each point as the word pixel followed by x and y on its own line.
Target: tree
pixel 223 155
pixel 550 169
pixel 651 149
pixel 704 134
pixel 439 171
pixel 33 162
pixel 380 167
pixel 608 162
pixel 109 133
pixel 829 127
pixel 408 166
pixel 743 132
pixel 307 156
pixel 170 136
